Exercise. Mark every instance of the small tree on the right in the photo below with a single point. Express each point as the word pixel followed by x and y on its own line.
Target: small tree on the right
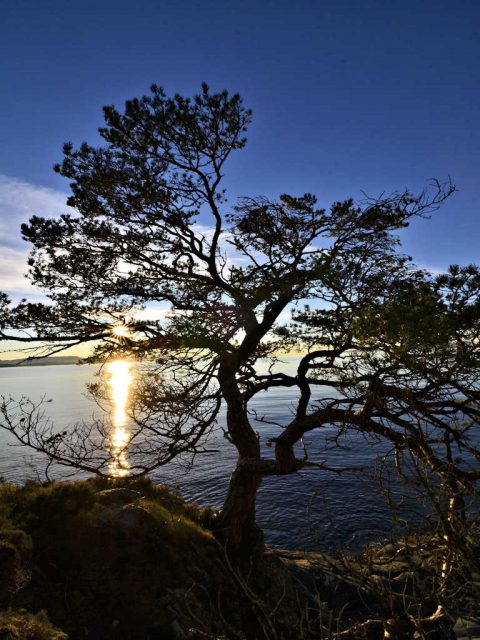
pixel 399 351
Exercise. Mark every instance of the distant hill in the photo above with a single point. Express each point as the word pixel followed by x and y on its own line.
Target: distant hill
pixel 40 362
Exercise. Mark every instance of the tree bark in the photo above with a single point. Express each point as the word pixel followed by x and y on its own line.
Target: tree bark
pixel 237 526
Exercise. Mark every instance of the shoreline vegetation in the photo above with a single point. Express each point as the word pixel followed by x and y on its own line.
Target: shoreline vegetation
pixel 48 361
pixel 128 559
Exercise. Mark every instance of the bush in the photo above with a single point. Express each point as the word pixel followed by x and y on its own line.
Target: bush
pixel 21 625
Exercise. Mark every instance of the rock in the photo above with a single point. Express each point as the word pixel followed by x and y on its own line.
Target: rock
pixel 116 498
pixel 133 517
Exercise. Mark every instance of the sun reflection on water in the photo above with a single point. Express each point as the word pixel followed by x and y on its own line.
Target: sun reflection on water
pixel 119 382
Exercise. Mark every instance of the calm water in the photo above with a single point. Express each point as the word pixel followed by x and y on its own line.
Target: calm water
pixel 310 509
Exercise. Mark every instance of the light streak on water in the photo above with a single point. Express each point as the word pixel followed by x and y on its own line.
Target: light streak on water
pixel 119 382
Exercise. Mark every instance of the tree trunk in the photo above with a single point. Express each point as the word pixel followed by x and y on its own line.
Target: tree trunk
pixel 237 527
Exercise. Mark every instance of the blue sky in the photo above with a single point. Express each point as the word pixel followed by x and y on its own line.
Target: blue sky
pixel 348 95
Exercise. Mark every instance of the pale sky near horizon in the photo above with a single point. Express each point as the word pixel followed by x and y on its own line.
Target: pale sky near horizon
pixel 347 96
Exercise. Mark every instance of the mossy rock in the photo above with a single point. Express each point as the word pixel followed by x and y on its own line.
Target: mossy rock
pixel 140 566
pixel 106 567
pixel 117 497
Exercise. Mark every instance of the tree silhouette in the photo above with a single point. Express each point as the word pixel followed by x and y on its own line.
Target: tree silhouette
pixel 397 348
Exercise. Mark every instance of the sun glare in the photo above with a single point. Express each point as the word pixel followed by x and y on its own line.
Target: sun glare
pixel 120 330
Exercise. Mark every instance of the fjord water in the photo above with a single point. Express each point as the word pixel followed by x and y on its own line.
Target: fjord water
pixel 310 509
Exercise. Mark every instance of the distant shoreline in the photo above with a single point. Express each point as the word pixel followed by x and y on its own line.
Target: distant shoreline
pixel 40 362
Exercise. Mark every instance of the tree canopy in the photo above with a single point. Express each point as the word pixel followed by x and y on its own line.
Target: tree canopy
pixel 396 349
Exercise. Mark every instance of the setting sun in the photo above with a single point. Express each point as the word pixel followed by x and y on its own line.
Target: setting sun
pixel 120 330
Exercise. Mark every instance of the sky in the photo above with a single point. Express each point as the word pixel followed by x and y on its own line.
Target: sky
pixel 348 96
